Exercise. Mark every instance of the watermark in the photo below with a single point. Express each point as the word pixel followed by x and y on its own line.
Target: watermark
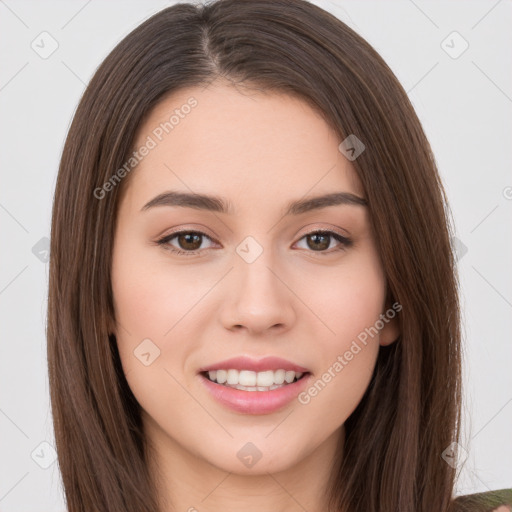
pixel 41 250
pixel 151 142
pixel 146 352
pixel 44 455
pixel 351 147
pixel 249 249
pixel 459 248
pixel 454 455
pixel 44 45
pixel 249 454
pixel 342 360
pixel 454 44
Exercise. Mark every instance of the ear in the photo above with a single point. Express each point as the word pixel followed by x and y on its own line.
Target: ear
pixel 390 318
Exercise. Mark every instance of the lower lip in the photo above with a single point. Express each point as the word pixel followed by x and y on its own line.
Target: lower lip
pixel 255 402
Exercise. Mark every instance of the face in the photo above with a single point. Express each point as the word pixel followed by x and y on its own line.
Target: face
pixel 246 275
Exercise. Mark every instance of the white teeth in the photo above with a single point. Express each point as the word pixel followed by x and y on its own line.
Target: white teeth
pixel 222 376
pixel 233 377
pixel 265 379
pixel 289 376
pixel 253 381
pixel 279 376
pixel 247 378
pixel 256 388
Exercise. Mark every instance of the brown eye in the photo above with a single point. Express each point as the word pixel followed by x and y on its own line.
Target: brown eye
pixel 184 242
pixel 320 241
pixel 189 241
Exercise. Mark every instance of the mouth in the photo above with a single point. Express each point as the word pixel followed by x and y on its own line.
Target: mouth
pixel 248 386
pixel 247 380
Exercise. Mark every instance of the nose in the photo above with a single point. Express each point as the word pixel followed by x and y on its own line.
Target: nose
pixel 258 299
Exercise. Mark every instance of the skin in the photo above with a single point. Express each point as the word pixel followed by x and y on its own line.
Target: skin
pixel 259 151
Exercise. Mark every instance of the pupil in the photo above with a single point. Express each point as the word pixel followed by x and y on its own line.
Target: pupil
pixel 187 239
pixel 316 237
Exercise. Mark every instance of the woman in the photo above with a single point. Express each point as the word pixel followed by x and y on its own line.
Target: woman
pixel 253 299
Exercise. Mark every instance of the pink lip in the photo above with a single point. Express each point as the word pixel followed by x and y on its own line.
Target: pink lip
pixel 260 365
pixel 255 402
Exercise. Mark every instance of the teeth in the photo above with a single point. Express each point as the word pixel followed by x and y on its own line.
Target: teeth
pixel 247 378
pixel 264 379
pixel 279 376
pixel 253 381
pixel 233 377
pixel 289 376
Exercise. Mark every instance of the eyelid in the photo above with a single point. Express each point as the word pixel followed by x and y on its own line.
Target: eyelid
pixel 190 228
pixel 314 227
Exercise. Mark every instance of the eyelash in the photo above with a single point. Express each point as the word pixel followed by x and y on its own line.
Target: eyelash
pixel 164 241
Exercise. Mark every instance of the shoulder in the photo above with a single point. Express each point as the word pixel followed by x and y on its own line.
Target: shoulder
pixel 490 501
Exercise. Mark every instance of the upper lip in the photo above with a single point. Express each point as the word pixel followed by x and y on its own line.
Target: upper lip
pixel 256 365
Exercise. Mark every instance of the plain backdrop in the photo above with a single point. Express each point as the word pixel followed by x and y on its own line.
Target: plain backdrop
pixel 461 86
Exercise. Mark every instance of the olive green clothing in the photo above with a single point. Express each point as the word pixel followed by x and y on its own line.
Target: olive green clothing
pixel 483 502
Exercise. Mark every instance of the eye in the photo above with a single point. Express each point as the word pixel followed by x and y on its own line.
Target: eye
pixel 320 240
pixel 191 241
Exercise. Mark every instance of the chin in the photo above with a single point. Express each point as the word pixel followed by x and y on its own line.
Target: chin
pixel 255 455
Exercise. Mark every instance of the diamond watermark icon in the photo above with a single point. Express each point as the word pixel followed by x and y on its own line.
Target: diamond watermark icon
pixel 351 147
pixel 454 45
pixel 249 455
pixel 41 250
pixel 454 455
pixel 44 455
pixel 249 249
pixel 44 45
pixel 146 352
pixel 459 248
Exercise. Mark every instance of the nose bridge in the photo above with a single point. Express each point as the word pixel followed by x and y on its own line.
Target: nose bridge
pixel 257 299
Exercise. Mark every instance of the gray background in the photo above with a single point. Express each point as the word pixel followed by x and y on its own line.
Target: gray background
pixel 464 103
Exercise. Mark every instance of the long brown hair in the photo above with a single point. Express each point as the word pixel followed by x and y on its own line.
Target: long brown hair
pixel 410 412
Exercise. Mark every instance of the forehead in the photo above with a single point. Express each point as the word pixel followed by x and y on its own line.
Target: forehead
pixel 246 143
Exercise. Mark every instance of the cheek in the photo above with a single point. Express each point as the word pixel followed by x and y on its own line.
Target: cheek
pixel 152 297
pixel 348 360
pixel 349 300
pixel 151 305
pixel 350 306
pixel 159 309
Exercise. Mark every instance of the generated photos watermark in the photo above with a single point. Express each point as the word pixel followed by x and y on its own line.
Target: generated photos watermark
pixel 152 141
pixel 343 360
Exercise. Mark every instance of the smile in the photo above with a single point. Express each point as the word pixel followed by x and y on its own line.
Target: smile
pixel 254 386
pixel 247 380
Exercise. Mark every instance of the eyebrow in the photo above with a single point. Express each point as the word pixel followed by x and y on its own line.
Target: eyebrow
pixel 221 205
